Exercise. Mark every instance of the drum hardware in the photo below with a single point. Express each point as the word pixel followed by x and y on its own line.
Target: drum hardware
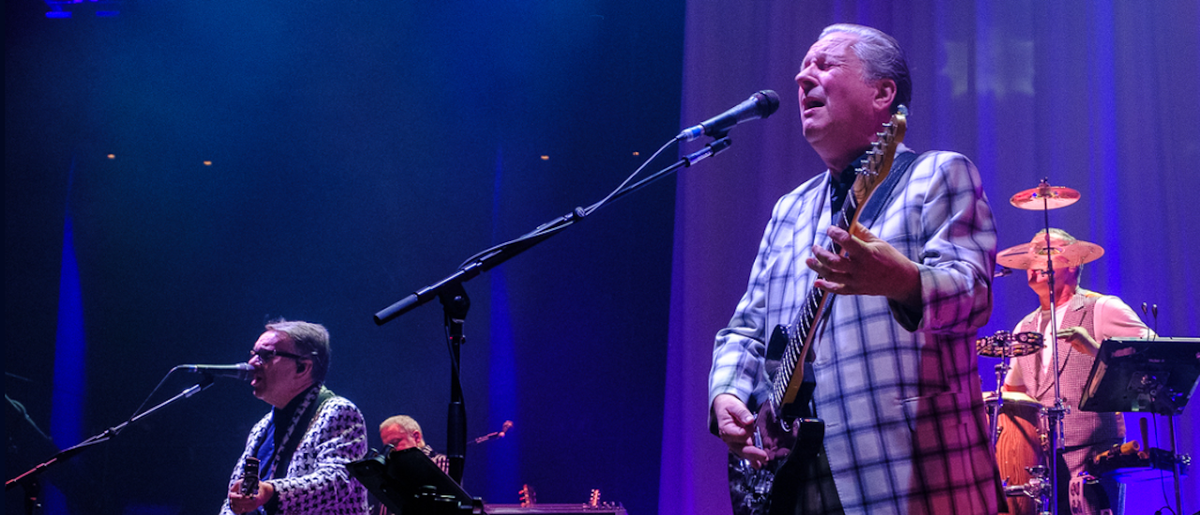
pixel 1004 344
pixel 1037 488
pixel 1020 433
pixel 1029 257
pixel 1027 417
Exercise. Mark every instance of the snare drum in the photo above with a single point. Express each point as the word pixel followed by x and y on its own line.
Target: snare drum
pixel 1023 442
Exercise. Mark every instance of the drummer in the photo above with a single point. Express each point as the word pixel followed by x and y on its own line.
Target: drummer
pixel 1084 318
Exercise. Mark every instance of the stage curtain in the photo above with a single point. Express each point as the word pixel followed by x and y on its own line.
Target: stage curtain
pixel 1099 96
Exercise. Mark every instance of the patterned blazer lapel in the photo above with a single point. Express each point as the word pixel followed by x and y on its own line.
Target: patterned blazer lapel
pixel 1072 318
pixel 818 235
pixel 808 232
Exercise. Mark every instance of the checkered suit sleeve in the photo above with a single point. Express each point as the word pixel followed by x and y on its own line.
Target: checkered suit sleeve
pixel 741 346
pixel 958 254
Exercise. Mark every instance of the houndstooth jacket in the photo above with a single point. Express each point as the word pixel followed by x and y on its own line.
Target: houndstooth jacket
pixel 899 392
pixel 317 481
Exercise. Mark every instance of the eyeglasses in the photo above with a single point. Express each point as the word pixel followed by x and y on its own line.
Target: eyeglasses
pixel 265 355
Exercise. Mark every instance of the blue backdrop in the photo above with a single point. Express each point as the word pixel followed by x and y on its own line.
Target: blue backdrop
pixel 320 161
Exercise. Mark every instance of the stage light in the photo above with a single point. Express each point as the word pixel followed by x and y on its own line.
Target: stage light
pixel 66 8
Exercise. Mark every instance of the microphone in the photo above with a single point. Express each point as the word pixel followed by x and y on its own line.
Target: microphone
pixel 1147 313
pixel 759 105
pixel 243 371
pixel 492 436
pixel 1154 310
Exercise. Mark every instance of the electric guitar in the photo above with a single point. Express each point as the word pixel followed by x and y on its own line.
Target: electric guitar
pixel 793 384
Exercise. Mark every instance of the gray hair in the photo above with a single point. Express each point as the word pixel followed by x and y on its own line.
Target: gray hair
pixel 1069 240
pixel 408 423
pixel 882 58
pixel 311 341
pixel 1054 231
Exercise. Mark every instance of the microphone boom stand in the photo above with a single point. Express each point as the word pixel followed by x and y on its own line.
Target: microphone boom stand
pixel 455 302
pixel 29 479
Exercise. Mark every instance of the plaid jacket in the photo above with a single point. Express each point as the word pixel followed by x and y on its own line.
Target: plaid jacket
pixel 899 392
pixel 317 481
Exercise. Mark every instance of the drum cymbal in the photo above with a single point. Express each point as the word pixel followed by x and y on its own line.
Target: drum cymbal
pixel 1028 256
pixel 1009 345
pixel 1045 196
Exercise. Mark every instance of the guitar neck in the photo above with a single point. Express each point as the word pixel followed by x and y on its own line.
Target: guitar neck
pixel 800 331
pixel 250 476
pixel 798 336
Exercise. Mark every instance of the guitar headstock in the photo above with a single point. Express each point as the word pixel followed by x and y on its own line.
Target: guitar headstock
pixel 528 496
pixel 594 499
pixel 879 158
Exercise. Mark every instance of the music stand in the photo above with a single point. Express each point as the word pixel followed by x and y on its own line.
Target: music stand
pixel 1140 375
pixel 408 482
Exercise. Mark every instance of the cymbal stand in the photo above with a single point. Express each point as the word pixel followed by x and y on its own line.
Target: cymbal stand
pixel 1056 413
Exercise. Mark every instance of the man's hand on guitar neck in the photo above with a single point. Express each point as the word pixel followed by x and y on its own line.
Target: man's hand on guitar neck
pixel 870 266
pixel 735 425
pixel 247 503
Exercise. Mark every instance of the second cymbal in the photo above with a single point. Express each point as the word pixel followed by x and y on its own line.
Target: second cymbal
pixel 1033 255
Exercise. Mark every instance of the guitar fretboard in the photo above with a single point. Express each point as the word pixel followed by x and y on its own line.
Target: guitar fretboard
pixel 801 328
pixel 799 333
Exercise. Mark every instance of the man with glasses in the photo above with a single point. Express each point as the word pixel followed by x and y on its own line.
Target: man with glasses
pixel 305 442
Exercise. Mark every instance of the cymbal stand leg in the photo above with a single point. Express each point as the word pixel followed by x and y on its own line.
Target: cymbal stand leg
pixel 1174 463
pixel 1001 373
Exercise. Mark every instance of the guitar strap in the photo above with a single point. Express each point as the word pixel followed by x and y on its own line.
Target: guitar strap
pixel 899 173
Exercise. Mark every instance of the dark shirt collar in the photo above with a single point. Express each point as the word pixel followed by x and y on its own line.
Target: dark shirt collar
pixel 284 415
pixel 839 185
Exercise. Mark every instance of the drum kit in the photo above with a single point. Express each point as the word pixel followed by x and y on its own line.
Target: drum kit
pixel 1025 433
